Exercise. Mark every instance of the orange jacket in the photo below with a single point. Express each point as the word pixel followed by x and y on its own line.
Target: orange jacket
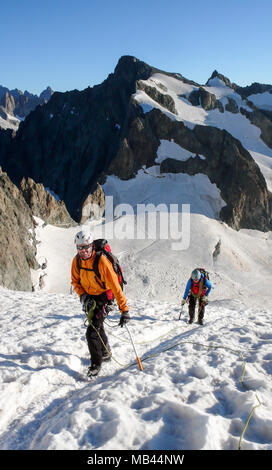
pixel 85 281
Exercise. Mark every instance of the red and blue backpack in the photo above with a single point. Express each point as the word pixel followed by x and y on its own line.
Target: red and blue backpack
pixel 198 289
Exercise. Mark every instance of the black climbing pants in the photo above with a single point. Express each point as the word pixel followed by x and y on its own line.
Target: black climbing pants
pixel 95 333
pixel 95 345
pixel 192 306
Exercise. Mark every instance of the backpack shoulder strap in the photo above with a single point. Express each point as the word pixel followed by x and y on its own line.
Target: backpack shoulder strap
pixel 96 270
pixel 97 257
pixel 113 260
pixel 78 262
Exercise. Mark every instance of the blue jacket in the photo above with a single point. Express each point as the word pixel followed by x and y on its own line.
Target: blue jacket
pixel 206 283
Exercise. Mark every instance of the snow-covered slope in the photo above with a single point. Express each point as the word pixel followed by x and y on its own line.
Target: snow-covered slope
pixel 262 100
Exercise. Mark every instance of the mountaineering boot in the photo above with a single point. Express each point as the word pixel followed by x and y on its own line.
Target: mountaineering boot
pixel 191 319
pixel 93 370
pixel 200 321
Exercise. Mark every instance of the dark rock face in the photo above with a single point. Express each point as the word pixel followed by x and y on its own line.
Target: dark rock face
pixel 17 239
pixel 231 106
pixel 6 136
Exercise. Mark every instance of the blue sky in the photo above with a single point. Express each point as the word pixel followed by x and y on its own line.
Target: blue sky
pixel 74 44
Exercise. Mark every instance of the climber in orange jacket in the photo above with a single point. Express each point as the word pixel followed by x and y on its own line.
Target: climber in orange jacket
pixel 93 294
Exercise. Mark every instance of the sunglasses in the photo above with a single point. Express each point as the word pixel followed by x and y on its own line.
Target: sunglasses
pixel 84 247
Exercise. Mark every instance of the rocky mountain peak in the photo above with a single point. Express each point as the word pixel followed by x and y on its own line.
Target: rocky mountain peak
pixel 131 68
pixel 46 94
pixel 224 79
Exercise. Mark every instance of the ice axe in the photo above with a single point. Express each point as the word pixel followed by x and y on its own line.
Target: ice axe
pixel 181 312
pixel 137 357
pixel 182 308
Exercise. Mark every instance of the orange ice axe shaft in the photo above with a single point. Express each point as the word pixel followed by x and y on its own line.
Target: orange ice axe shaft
pixel 137 357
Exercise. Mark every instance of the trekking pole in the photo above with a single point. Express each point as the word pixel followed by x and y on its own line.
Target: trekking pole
pixel 137 357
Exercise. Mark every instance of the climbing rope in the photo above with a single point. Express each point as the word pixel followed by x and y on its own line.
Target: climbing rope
pixel 254 407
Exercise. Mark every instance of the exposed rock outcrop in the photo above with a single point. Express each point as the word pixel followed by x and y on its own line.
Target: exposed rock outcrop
pixel 163 99
pixel 202 97
pixel 17 237
pixel 44 205
pixel 94 205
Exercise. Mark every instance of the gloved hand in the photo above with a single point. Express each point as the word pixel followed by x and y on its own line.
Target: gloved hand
pixel 183 302
pixel 124 319
pixel 205 300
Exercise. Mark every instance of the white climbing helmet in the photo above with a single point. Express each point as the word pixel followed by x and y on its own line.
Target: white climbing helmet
pixel 84 237
pixel 196 275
